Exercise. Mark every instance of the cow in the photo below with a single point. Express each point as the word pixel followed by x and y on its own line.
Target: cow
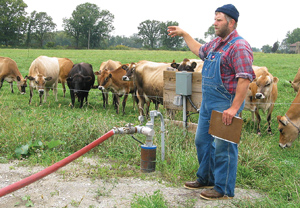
pixel 190 65
pixel 65 66
pixel 112 80
pixel 262 95
pixel 147 77
pixel 296 83
pixel 110 65
pixel 43 75
pixel 80 80
pixel 9 72
pixel 289 124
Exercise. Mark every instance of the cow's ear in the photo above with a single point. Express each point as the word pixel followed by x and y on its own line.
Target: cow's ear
pixel 194 64
pixel 125 67
pixel 110 75
pixel 31 78
pixel 48 78
pixel 283 122
pixel 97 73
pixel 275 79
pixel 174 65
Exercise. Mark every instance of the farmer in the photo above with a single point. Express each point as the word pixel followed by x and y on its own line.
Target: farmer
pixel 226 74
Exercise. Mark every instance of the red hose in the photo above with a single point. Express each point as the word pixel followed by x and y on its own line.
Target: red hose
pixel 26 181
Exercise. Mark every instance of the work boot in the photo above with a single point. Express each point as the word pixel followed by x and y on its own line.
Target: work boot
pixel 195 185
pixel 212 194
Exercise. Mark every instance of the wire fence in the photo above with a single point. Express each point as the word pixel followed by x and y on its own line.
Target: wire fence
pixel 97 91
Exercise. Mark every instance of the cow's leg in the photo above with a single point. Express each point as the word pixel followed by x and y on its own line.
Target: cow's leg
pixel 81 101
pixel 86 98
pixel 141 107
pixel 269 118
pixel 64 87
pixel 72 98
pixel 46 94
pixel 11 87
pixel 31 93
pixel 55 90
pixel 104 98
pixel 1 82
pixel 117 102
pixel 124 102
pixel 148 102
pixel 258 121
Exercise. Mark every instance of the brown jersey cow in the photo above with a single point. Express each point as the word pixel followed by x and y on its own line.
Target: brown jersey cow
pixel 65 66
pixel 9 72
pixel 289 124
pixel 109 65
pixel 296 82
pixel 112 80
pixel 262 95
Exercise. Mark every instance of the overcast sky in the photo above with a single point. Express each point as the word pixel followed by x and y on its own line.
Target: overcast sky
pixel 261 22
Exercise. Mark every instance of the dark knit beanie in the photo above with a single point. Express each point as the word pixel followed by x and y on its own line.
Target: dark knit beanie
pixel 230 10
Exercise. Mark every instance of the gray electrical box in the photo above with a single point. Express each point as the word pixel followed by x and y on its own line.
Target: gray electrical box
pixel 184 83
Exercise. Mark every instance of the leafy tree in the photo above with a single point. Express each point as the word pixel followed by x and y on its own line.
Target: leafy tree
pixel 88 25
pixel 132 41
pixel 102 30
pixel 255 49
pixel 149 33
pixel 12 21
pixel 62 39
pixel 200 40
pixel 275 47
pixel 41 26
pixel 210 33
pixel 266 49
pixel 293 37
pixel 166 41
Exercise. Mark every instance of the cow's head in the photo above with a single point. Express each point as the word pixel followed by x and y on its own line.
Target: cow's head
pixel 104 79
pixel 186 65
pixel 22 84
pixel 250 100
pixel 264 84
pixel 295 85
pixel 39 82
pixel 78 82
pixel 129 72
pixel 288 132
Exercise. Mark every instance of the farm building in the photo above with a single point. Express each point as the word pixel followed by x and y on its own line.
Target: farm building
pixel 295 47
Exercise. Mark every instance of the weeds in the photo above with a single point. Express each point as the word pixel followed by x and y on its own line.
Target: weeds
pixel 262 166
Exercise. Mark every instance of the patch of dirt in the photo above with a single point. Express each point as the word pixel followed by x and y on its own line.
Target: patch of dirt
pixel 70 187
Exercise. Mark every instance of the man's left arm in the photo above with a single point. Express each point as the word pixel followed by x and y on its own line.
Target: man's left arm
pixel 241 92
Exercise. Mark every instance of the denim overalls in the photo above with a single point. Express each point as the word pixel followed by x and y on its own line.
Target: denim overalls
pixel 217 158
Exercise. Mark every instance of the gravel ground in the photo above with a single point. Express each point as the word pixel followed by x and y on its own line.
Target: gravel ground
pixel 70 187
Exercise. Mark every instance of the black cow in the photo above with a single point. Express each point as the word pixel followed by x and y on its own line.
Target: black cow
pixel 80 80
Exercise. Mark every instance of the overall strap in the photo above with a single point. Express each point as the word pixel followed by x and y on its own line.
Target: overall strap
pixel 230 43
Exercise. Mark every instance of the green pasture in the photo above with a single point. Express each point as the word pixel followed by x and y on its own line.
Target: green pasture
pixel 53 131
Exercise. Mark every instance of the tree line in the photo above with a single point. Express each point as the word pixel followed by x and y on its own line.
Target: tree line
pixel 89 27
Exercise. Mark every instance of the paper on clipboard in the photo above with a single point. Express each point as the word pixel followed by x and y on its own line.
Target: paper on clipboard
pixel 230 133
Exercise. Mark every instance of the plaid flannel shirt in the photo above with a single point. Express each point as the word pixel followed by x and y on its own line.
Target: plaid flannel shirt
pixel 236 62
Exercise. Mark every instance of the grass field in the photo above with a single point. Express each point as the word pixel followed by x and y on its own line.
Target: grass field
pixel 54 130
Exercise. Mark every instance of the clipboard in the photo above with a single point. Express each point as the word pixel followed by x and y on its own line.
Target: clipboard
pixel 230 133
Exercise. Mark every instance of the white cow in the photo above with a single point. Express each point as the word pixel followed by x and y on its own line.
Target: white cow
pixel 43 75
